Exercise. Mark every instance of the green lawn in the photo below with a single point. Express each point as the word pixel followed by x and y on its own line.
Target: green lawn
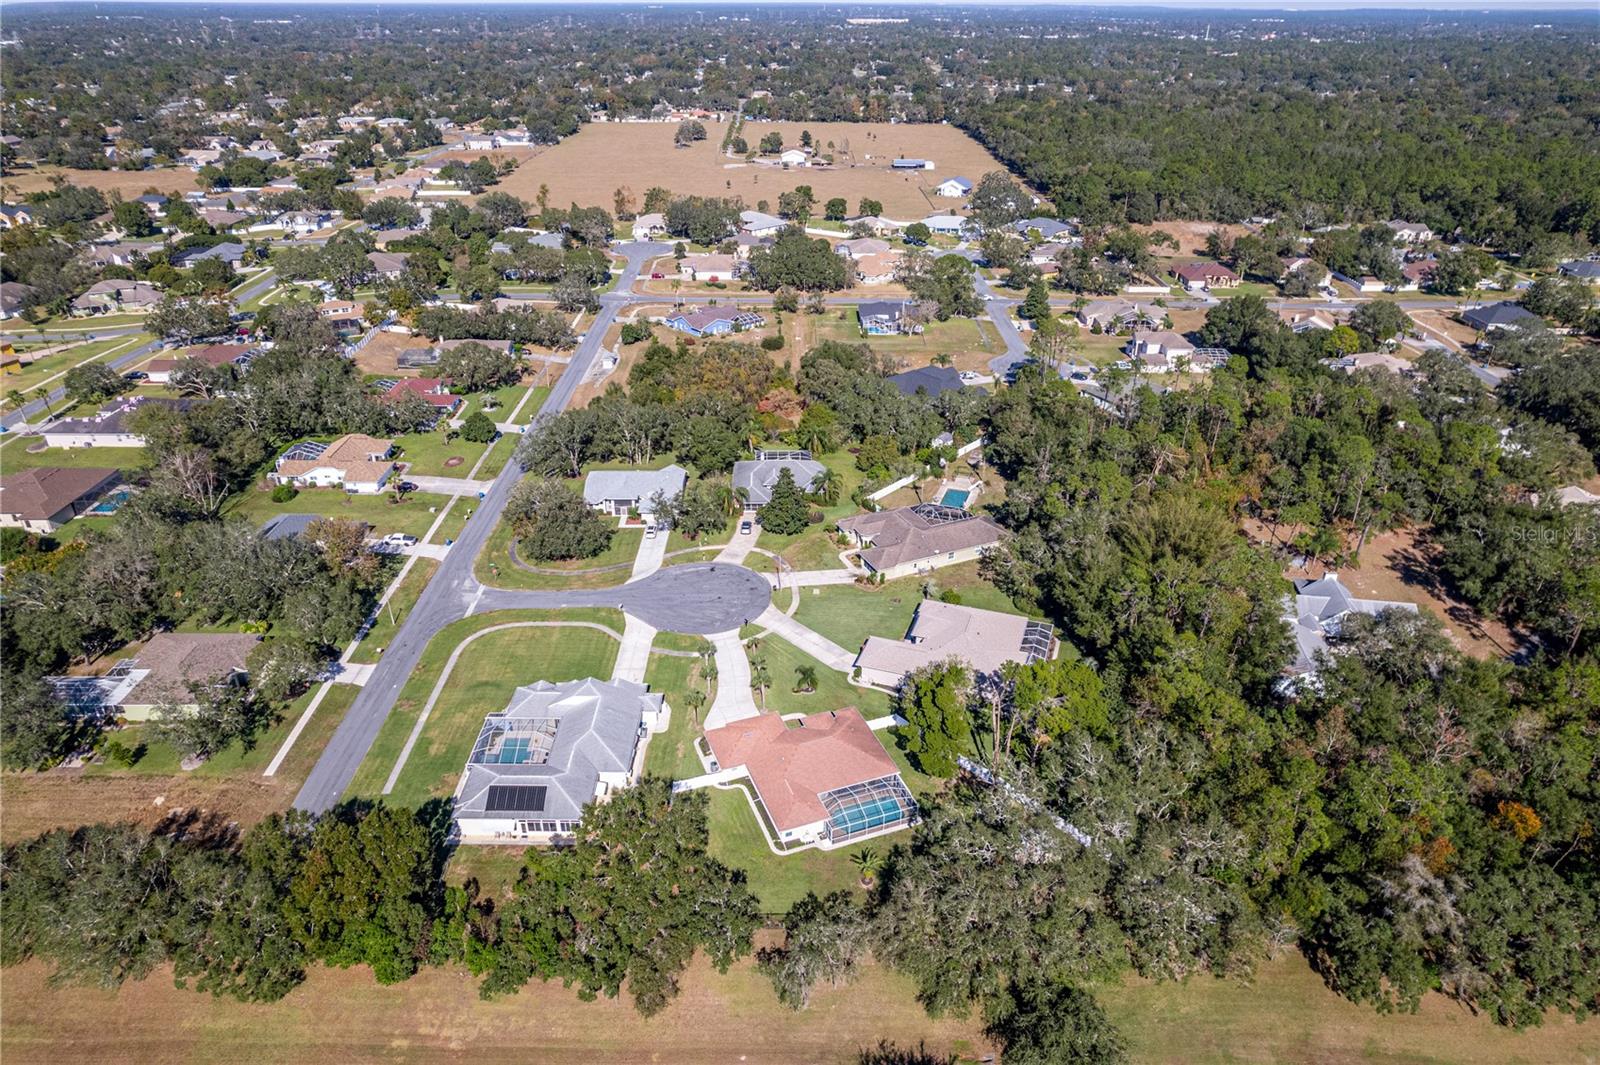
pixel 486 674
pixel 42 369
pixel 494 565
pixel 834 690
pixel 948 337
pixel 428 453
pixel 671 753
pixel 393 614
pixel 500 453
pixel 777 880
pixel 413 516
pixel 847 613
pixel 18 457
pixel 455 520
pixel 504 399
pixel 530 409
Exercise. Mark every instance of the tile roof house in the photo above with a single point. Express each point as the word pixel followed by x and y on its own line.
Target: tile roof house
pixel 860 246
pixel 107 427
pixel 355 462
pixel 160 675
pixel 619 491
pixel 982 640
pixel 921 538
pixel 1493 316
pixel 434 391
pixel 876 268
pixel 712 321
pixel 710 267
pixel 42 500
pixel 107 297
pixel 755 477
pixel 1115 315
pixel 1196 277
pixel 554 749
pixel 825 782
pixel 1315 612
pixel 161 370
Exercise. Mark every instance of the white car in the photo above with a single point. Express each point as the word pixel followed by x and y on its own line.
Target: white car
pixel 400 540
pixel 970 375
pixel 649 532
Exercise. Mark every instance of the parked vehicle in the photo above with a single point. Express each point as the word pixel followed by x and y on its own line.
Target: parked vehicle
pixel 744 527
pixel 649 532
pixel 400 540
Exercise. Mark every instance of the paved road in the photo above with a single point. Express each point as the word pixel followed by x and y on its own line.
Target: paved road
pixel 453 592
pixel 698 598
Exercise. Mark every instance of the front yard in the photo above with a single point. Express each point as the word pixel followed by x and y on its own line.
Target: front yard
pixel 495 566
pixel 848 613
pixel 413 515
pixel 430 454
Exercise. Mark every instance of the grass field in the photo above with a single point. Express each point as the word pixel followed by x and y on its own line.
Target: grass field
pixel 640 155
pixel 956 337
pixel 380 759
pixel 778 880
pixel 671 753
pixel 429 454
pixel 47 368
pixel 847 614
pixel 18 457
pixel 412 516
pixel 131 183
pixel 393 613
pixel 494 565
pixel 833 689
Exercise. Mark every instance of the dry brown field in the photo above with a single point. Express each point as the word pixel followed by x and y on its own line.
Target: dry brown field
pixel 130 183
pixel 589 167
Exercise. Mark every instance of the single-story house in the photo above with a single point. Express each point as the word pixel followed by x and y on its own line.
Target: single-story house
pixel 617 492
pixel 1115 315
pixel 108 297
pixel 502 346
pixel 161 370
pixel 949 224
pixel 710 267
pixel 1302 320
pixel 304 222
pixel 107 427
pixel 358 463
pixel 1491 316
pixel 554 749
pixel 982 640
pixel 416 358
pixel 14 297
pixel 1043 229
pixel 1414 275
pixel 1161 352
pixel 228 252
pixel 649 226
pixel 884 317
pixel 876 224
pixel 825 781
pixel 930 379
pixel 712 321
pixel 15 214
pixel 1584 269
pixel 794 157
pixel 345 316
pixel 918 539
pixel 876 269
pixel 43 499
pixel 1199 277
pixel 1315 612
pixel 1368 360
pixel 859 246
pixel 745 243
pixel 754 478
pixel 386 265
pixel 953 188
pixel 1365 283
pixel 760 224
pixel 1298 263
pixel 1410 232
pixel 161 675
pixel 119 253
pixel 912 164
pixel 435 391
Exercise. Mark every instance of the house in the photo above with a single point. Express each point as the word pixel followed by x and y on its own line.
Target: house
pixel 1321 276
pixel 162 676
pixel 385 237
pixel 121 253
pixel 1575 495
pixel 43 499
pixel 1301 320
pixel 912 164
pixel 1116 315
pixel 302 223
pixel 434 391
pixel 1410 232
pixel 745 243
pixel 154 203
pixel 1584 269
pixel 932 380
pixel 760 224
pixel 708 267
pixel 919 539
pixel 825 782
pixel 288 526
pixel 650 226
pixel 617 492
pixel 1315 612
pixel 1202 277
pixel 1415 275
pixel 981 640
pixel 416 358
pixel 554 749
pixel 753 478
pixel 358 463
pixel 885 317
pixel 386 265
pixel 875 224
pixel 344 315
pixel 14 297
pixel 109 297
pixel 162 369
pixel 876 269
pixel 15 214
pixel 1368 360
pixel 712 321
pixel 501 346
pixel 953 188
pixel 227 252
pixel 198 158
pixel 1365 283
pixel 794 157
pixel 860 246
pixel 1161 352
pixel 109 426
pixel 951 225
pixel 1042 229
pixel 1492 316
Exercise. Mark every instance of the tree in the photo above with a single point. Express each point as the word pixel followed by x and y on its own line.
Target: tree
pixel 35 731
pixel 501 210
pixel 552 522
pixel 786 512
pixel 835 209
pixel 917 233
pixel 1379 320
pixel 805 678
pixel 185 319
pixel 824 940
pixel 997 200
pixel 224 713
pixel 1042 1024
pixel 870 208
pixel 933 700
pixel 573 293
pixel 474 367
pixel 798 262
pixel 134 221
pixel 93 382
pixel 1036 306
pixel 688 132
pixel 478 428
pixel 697 510
pixel 772 143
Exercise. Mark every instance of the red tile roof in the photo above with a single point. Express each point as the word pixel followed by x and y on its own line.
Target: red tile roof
pixel 431 389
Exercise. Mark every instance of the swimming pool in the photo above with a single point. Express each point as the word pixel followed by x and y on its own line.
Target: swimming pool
pixel 111 503
pixel 955 497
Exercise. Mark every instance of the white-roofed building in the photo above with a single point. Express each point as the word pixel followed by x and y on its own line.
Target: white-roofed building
pixel 617 492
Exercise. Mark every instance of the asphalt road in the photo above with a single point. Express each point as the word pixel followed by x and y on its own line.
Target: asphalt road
pixel 698 598
pixel 453 592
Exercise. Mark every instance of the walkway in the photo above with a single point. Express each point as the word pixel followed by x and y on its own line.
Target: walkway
pixel 817 646
pixel 808 578
pixel 734 701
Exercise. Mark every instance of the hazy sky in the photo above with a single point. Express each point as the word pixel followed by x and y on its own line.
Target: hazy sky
pixel 1531 7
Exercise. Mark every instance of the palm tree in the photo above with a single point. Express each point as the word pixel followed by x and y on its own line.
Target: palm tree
pixel 942 359
pixel 16 398
pixel 805 677
pixel 43 396
pixel 708 669
pixel 869 861
pixel 694 700
pixel 760 678
pixel 830 486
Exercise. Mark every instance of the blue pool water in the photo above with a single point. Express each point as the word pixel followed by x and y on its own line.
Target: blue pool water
pixel 955 497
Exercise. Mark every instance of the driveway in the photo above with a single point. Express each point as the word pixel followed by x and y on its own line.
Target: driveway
pixel 738 548
pixel 734 701
pixel 449 486
pixel 633 656
pixel 652 549
pixel 817 646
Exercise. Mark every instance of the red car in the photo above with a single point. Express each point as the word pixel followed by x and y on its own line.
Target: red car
pixel 657 276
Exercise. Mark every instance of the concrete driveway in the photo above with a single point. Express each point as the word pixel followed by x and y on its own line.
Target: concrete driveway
pixel 733 701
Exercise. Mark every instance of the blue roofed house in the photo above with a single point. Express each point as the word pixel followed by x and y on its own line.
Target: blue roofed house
pixel 712 321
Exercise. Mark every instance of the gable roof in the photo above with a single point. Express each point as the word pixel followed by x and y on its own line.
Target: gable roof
pixel 1314 613
pixel 923 531
pixel 602 485
pixel 1203 271
pixel 983 640
pixel 1498 314
pixel 40 493
pixel 930 379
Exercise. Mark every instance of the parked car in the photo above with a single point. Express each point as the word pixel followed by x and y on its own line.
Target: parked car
pixel 649 532
pixel 135 375
pixel 744 527
pixel 406 486
pixel 657 276
pixel 400 540
pixel 969 375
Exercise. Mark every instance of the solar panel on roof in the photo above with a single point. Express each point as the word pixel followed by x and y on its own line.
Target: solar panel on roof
pixel 515 798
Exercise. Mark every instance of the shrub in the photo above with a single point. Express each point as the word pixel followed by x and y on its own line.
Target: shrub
pixel 478 428
pixel 951 596
pixel 284 492
pixel 634 332
pixel 772 343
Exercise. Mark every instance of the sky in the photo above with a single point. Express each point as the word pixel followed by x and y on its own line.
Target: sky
pixel 1530 7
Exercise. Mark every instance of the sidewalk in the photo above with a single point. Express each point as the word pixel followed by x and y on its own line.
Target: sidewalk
pixel 449 486
pixel 819 647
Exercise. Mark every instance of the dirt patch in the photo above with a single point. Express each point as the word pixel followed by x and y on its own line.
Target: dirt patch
pixel 130 183
pixel 453 461
pixel 1191 236
pixel 1439 323
pixel 38 802
pixel 639 155
pixel 378 355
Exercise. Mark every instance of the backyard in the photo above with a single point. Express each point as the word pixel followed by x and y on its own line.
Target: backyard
pixel 848 613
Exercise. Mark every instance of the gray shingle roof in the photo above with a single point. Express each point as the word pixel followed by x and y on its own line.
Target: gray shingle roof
pixel 603 485
pixel 757 476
